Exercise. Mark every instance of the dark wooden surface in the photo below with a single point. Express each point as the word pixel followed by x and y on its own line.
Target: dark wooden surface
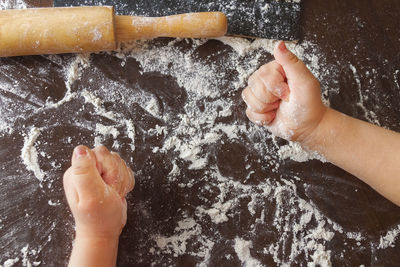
pixel 363 34
pixel 243 15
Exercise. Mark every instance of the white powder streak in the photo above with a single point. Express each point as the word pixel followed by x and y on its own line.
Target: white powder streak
pixel 7 4
pixel 389 239
pixel 130 128
pixel 10 262
pixel 242 249
pixel 295 152
pixel 320 257
pixel 29 154
pixel 186 229
pixel 369 114
pixel 107 130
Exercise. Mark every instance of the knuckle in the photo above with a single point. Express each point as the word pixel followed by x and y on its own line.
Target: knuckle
pixel 81 170
pixel 270 117
pixel 266 67
pixel 249 113
pixel 102 150
pixel 89 204
pixel 132 181
pixel 251 79
pixel 293 58
pixel 254 78
pixel 245 93
pixel 113 172
pixel 116 156
pixel 263 70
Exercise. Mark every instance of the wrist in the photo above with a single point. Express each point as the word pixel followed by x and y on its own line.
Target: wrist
pixel 313 139
pixel 94 251
pixel 96 233
pixel 96 237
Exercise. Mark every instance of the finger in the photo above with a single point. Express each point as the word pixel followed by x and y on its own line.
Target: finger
pixel 70 190
pixel 256 105
pixel 82 161
pixel 124 212
pixel 83 174
pixel 132 180
pixel 127 179
pixel 260 119
pixel 296 71
pixel 259 89
pixel 273 78
pixel 121 179
pixel 107 165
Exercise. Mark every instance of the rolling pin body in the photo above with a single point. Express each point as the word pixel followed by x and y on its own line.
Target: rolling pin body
pixel 56 30
pixel 93 29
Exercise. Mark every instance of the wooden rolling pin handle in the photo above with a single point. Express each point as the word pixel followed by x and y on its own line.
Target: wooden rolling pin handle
pixel 93 29
pixel 190 25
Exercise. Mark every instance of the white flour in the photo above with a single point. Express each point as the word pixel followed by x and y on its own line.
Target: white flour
pixel 389 239
pixel 295 152
pixel 29 154
pixel 7 4
pixel 303 231
pixel 242 249
pixel 10 262
pixel 196 130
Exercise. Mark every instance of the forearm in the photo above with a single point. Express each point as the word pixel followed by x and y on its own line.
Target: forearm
pixel 367 151
pixel 94 252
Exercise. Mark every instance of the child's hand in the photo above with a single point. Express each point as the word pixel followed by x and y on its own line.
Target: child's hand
pixel 96 185
pixel 285 96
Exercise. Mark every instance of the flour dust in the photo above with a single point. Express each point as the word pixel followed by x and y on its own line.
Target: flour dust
pixel 198 129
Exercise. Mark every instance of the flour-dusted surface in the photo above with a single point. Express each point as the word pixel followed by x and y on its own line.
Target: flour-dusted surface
pixel 212 188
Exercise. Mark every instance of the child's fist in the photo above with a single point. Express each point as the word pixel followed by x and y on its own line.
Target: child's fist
pixel 285 96
pixel 96 185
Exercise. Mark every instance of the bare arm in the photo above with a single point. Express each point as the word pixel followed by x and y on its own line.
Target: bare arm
pixel 284 96
pixel 97 252
pixel 365 150
pixel 96 185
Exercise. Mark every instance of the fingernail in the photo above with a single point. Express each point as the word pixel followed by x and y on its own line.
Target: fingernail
pixel 282 46
pixel 80 152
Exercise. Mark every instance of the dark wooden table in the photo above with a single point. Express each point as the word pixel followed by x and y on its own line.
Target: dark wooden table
pixel 359 42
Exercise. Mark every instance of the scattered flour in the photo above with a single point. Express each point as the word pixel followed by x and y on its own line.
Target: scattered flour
pixel 10 262
pixel 29 154
pixel 130 128
pixel 320 258
pixel 152 107
pixel 218 211
pixel 188 138
pixel 186 228
pixel 389 239
pixel 295 152
pixel 190 134
pixel 107 130
pixel 242 249
pixel 7 4
pixel 369 114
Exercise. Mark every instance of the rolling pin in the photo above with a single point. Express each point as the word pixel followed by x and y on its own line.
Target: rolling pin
pixel 38 31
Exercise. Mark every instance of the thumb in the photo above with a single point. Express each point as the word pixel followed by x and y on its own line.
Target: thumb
pixel 296 71
pixel 83 161
pixel 83 174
